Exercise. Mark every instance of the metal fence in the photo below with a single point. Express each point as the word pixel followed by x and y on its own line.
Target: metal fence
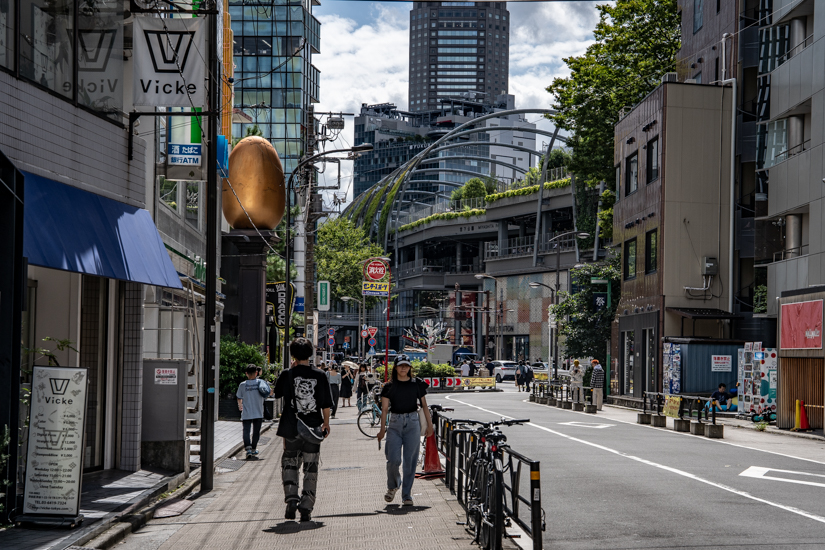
pixel 458 444
pixel 523 246
pixel 440 208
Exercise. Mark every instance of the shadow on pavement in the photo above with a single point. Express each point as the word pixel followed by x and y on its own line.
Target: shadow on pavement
pixel 290 527
pixel 398 510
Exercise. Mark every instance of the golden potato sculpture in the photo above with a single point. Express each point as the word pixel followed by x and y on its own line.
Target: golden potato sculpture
pixel 257 176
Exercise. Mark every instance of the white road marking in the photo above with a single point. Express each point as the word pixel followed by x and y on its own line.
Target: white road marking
pixel 586 425
pixel 684 434
pixel 759 473
pixel 670 469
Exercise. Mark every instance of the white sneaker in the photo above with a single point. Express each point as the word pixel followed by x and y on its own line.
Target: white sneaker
pixel 390 494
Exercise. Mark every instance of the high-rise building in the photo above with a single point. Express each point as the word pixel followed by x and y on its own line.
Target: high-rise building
pixel 275 81
pixel 458 49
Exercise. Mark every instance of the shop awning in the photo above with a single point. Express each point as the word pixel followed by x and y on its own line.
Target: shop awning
pixel 702 313
pixel 74 230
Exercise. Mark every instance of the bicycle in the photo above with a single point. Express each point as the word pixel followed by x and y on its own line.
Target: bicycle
pixel 369 419
pixel 485 486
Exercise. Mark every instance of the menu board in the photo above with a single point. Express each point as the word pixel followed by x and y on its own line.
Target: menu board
pixel 55 459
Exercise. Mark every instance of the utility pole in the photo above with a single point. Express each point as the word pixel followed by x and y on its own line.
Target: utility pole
pixel 207 447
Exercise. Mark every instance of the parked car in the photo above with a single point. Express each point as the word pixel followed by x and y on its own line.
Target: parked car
pixel 504 370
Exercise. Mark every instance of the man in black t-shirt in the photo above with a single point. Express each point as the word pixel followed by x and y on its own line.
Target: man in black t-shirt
pixel 306 394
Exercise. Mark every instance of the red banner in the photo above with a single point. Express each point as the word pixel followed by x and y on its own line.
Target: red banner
pixel 801 326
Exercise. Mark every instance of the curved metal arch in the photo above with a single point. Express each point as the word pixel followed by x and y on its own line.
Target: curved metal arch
pixel 479 159
pixel 508 145
pixel 410 167
pixel 506 129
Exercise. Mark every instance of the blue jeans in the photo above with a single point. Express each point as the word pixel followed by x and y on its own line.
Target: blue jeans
pixel 403 439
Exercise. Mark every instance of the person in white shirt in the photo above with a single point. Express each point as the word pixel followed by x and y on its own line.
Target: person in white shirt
pixel 465 369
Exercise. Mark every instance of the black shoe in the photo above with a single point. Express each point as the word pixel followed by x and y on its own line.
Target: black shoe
pixel 291 508
pixel 306 515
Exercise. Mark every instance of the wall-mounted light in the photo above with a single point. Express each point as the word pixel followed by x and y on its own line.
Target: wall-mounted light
pixel 631 139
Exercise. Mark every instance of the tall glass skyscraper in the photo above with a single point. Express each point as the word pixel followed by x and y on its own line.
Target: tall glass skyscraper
pixel 458 48
pixel 275 81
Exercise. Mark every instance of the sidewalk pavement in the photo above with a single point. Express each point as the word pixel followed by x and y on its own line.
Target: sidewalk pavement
pixel 111 494
pixel 246 508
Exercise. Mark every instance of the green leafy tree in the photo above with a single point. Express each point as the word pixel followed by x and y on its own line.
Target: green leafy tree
pixel 473 188
pixel 586 327
pixel 342 246
pixel 608 199
pixel 636 42
pixel 235 356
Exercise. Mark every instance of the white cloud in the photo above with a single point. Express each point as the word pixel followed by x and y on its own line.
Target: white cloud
pixel 366 60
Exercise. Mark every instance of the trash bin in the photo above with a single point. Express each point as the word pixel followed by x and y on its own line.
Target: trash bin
pixel 269 409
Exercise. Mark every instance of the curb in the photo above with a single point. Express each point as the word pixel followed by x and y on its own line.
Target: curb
pixel 777 431
pixel 137 515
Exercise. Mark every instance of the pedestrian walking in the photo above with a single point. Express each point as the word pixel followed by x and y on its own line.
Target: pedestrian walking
pixel 361 387
pixel 251 395
pixel 304 425
pixel 520 373
pixel 528 376
pixel 465 368
pixel 346 383
pixel 401 397
pixel 576 381
pixel 334 378
pixel 597 383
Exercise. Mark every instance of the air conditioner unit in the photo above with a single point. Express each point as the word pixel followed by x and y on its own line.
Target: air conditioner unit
pixel 670 77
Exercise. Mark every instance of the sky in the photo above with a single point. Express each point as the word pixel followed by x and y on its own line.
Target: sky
pixel 364 53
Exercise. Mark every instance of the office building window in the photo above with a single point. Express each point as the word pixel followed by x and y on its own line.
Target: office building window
pixel 651 250
pixel 618 188
pixel 698 8
pixel 629 259
pixel 168 192
pixel 631 174
pixel 652 159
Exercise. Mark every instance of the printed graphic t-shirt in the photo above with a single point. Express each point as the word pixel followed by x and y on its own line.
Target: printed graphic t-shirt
pixel 305 391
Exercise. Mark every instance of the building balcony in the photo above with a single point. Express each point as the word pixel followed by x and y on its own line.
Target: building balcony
pixel 524 246
pixel 788 273
pixel 796 79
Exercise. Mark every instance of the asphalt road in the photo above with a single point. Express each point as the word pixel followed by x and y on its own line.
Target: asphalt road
pixel 610 483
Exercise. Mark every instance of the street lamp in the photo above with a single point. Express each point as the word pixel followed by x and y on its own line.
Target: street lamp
pixel 356 149
pixel 481 276
pixel 580 235
pixel 360 324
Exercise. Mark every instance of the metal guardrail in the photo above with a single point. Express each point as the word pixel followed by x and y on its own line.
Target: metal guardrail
pixel 794 252
pixel 523 246
pixel 440 208
pixel 458 444
pixel 694 402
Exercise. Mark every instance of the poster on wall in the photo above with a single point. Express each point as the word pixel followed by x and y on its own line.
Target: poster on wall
pixel 55 458
pixel 801 325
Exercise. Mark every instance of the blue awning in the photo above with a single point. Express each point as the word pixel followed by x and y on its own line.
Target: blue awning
pixel 74 230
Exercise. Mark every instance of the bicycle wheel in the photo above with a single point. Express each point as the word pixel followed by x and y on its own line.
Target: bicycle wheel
pixel 475 496
pixel 491 511
pixel 369 422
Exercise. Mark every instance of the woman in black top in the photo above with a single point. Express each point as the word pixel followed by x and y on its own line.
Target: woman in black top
pixel 401 397
pixel 346 383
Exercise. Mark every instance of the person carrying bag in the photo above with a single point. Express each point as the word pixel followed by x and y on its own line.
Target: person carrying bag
pixel 402 397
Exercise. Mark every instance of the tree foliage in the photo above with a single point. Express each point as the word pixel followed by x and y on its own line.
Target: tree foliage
pixel 474 188
pixel 234 358
pixel 636 43
pixel 587 328
pixel 342 246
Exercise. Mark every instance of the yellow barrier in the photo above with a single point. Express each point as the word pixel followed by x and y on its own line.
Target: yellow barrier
pixel 540 376
pixel 475 382
pixel 671 408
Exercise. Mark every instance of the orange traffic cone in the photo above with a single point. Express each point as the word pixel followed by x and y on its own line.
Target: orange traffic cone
pixel 432 464
pixel 803 418
pixel 796 421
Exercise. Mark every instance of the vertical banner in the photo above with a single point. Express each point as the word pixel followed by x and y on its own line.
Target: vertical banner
pixel 55 458
pixel 282 300
pixel 169 62
pixel 323 295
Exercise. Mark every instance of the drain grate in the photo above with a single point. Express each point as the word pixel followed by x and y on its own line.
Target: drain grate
pixel 230 465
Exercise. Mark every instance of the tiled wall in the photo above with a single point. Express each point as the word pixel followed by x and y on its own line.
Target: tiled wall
pixel 132 376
